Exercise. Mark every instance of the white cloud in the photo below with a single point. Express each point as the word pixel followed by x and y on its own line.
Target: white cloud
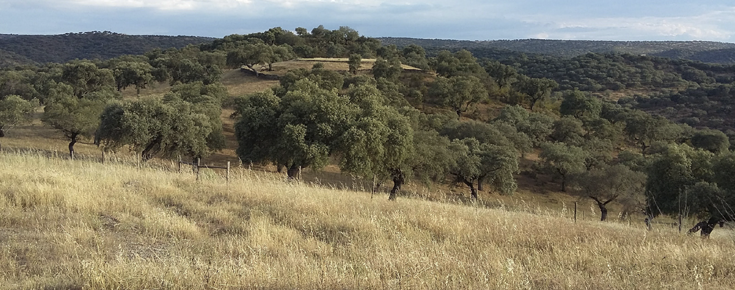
pixel 165 4
pixel 716 25
pixel 458 19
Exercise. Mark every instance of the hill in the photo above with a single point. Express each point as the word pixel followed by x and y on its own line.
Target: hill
pixel 82 224
pixel 705 51
pixel 89 45
pixel 12 59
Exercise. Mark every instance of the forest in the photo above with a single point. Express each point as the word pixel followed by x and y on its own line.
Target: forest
pixel 652 134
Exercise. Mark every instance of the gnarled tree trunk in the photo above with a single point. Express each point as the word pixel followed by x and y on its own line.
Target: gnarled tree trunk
pixel 147 153
pixel 293 171
pixel 73 137
pixel 603 207
pixel 398 180
pixel 473 191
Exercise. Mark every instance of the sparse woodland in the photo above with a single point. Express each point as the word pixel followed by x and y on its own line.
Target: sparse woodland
pixel 633 136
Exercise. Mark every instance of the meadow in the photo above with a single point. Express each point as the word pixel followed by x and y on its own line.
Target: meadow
pixel 81 224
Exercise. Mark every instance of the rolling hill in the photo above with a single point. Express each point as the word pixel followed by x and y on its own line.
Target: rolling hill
pixel 705 51
pixel 88 45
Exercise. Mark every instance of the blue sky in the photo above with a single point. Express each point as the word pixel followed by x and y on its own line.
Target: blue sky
pixel 459 19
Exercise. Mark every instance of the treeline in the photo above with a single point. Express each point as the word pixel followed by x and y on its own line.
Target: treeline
pixel 388 125
pixel 704 51
pixel 88 45
pixel 600 72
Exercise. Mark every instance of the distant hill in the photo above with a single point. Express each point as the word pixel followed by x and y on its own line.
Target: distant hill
pixel 705 51
pixel 12 59
pixel 89 45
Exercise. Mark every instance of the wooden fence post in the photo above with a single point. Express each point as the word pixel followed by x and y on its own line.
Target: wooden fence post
pixel 179 157
pixel 679 223
pixel 228 172
pixel 199 162
pixel 575 212
pixel 103 156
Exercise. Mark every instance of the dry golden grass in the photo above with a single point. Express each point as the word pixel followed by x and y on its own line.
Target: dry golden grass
pixel 85 225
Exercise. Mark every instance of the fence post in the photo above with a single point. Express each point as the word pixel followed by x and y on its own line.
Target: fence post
pixel 103 156
pixel 679 223
pixel 179 157
pixel 199 162
pixel 575 212
pixel 372 190
pixel 228 171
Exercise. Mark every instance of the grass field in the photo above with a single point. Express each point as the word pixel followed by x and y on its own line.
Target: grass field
pixel 85 225
pixel 81 224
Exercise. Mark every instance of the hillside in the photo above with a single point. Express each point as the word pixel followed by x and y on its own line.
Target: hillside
pixel 113 225
pixel 11 59
pixel 705 51
pixel 89 45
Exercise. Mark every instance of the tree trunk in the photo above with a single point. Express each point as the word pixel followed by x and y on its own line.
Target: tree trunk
pixel 2 132
pixel 398 180
pixel 459 114
pixel 643 148
pixel 479 183
pixel 603 211
pixel 603 206
pixel 73 138
pixel 293 171
pixel 563 183
pixel 146 154
pixel 473 191
pixel 257 74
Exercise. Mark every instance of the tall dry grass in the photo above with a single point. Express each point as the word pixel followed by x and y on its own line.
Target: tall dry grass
pixel 84 225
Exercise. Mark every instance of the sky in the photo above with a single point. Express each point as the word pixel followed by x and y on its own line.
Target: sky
pixel 707 20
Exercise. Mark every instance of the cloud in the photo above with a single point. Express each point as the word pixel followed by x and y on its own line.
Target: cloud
pixel 459 19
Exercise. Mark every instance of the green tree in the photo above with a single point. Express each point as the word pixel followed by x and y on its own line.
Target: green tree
pixel 535 89
pixel 389 69
pixel 644 129
pixel 537 126
pixel 711 140
pixel 74 116
pixel 580 106
pixel 14 110
pixel 205 100
pixel 600 152
pixel 258 53
pixel 151 127
pixel 461 63
pixel 504 75
pixel 476 162
pixel 671 174
pixel 85 77
pixel 460 93
pixel 415 56
pixel 20 83
pixel 135 73
pixel 354 63
pixel 607 184
pixel 379 143
pixel 309 121
pixel 564 160
pixel 568 130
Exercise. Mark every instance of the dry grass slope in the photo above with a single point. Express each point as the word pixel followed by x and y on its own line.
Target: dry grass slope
pixel 85 225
